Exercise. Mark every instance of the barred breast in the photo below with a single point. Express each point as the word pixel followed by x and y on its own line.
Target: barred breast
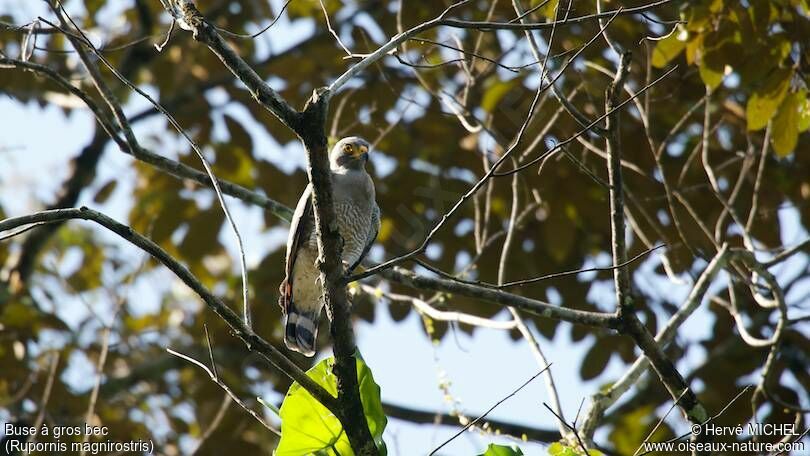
pixel 353 223
pixel 354 220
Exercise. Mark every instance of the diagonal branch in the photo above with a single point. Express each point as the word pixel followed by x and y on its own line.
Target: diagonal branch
pixel 602 400
pixel 191 19
pixel 251 339
pixel 441 20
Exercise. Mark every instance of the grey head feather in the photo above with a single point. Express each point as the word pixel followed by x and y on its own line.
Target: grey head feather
pixel 350 153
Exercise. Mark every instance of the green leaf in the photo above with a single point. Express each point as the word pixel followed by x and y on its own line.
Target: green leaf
pixel 560 449
pixel 711 76
pixel 307 427
pixel 501 450
pixel 548 10
pixel 668 48
pixel 786 124
pixel 631 428
pixel 495 91
pixel 105 191
pixel 765 100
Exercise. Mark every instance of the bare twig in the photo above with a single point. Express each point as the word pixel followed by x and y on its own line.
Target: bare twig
pixel 82 40
pixel 441 20
pixel 475 421
pixel 214 424
pixel 331 30
pixel 571 428
pixel 489 425
pixel 524 330
pixel 46 396
pixel 260 32
pixel 424 307
pixel 227 390
pixel 557 275
pixel 253 341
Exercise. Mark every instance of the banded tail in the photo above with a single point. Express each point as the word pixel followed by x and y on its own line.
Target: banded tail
pixel 301 330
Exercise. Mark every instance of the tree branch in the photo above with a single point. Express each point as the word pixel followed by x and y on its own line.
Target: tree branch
pixel 428 417
pixel 629 322
pixel 251 339
pixel 191 19
pixel 330 249
pixel 532 306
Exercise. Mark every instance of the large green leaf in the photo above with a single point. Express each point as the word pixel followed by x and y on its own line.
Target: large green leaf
pixel 786 124
pixel 308 428
pixel 764 101
pixel 501 450
pixel 669 48
pixel 495 91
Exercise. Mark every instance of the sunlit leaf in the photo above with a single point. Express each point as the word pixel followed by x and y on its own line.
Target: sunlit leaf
pixel 786 124
pixel 667 49
pixel 764 101
pixel 560 449
pixel 496 90
pixel 712 77
pixel 501 450
pixel 549 9
pixel 307 427
pixel 631 429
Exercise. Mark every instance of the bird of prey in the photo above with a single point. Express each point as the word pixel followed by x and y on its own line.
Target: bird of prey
pixel 358 219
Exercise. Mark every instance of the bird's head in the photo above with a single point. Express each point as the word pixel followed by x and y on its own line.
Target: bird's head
pixel 349 153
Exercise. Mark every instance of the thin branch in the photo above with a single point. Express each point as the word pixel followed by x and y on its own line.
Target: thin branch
pixel 227 390
pixel 253 341
pixel 490 425
pixel 424 307
pixel 491 26
pixel 581 118
pixel 260 32
pixel 803 246
pixel 712 418
pixel 102 360
pixel 763 159
pixel 532 306
pixel 621 275
pixel 440 20
pixel 130 136
pixel 223 408
pixel 571 428
pixel 46 396
pixel 557 275
pixel 524 330
pixel 588 128
pixel 602 400
pixel 190 18
pixel 475 421
pixel 470 193
pixel 331 30
pixel 631 326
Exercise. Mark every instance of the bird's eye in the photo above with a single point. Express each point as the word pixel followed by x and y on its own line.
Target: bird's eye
pixel 348 148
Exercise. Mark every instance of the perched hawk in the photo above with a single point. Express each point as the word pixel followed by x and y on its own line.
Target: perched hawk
pixel 358 219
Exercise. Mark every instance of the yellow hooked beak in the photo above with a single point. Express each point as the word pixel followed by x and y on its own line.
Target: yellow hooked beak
pixel 359 151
